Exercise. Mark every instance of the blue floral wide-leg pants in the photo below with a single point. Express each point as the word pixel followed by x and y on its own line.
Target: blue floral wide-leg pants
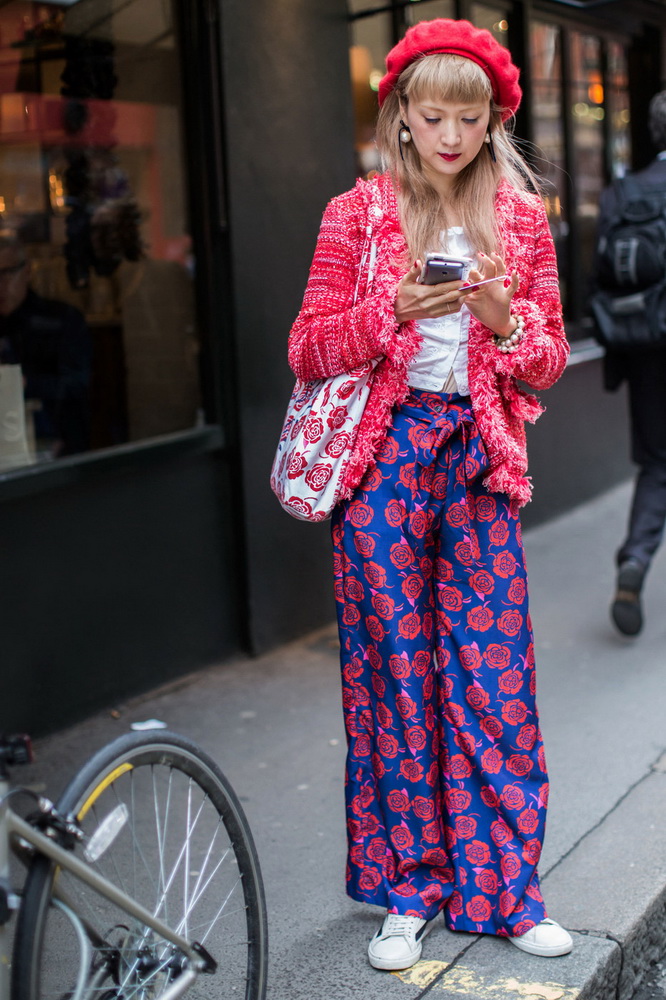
pixel 446 783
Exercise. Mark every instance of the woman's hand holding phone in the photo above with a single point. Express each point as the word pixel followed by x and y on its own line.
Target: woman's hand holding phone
pixel 487 293
pixel 415 300
pixel 439 268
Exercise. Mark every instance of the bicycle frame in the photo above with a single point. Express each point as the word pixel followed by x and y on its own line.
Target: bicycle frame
pixel 13 827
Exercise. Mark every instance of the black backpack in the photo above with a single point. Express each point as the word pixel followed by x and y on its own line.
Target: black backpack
pixel 631 253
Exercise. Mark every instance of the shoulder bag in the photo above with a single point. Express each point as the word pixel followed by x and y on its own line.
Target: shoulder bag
pixel 321 424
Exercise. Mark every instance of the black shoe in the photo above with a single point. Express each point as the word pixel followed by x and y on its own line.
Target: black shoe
pixel 626 609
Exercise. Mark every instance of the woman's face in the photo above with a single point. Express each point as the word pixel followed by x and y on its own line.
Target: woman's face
pixel 447 136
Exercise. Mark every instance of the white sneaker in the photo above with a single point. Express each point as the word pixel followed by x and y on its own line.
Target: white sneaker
pixel 398 942
pixel 547 939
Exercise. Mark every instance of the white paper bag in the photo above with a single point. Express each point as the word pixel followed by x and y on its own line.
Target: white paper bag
pixel 14 449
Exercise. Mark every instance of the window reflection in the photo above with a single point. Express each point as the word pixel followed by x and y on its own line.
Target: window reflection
pixel 92 202
pixel 618 109
pixel 371 40
pixel 587 112
pixel 428 10
pixel 548 126
pixel 354 6
pixel 493 19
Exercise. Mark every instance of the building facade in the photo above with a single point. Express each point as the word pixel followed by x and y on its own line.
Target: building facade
pixel 163 169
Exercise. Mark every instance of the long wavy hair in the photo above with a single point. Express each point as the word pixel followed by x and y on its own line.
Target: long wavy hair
pixel 423 215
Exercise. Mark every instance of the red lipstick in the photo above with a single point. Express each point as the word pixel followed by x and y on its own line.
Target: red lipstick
pixel 449 157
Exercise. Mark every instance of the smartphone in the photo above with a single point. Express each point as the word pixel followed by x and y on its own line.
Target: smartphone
pixel 439 268
pixel 476 284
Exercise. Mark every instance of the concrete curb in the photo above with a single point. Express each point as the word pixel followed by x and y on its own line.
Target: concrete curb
pixel 493 970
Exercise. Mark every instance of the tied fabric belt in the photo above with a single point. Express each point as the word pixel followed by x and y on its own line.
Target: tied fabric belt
pixel 435 418
pixel 448 452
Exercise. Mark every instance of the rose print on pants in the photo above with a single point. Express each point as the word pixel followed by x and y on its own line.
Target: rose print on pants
pixel 446 784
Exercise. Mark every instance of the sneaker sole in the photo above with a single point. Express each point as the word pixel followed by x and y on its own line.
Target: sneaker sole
pixel 542 951
pixel 388 965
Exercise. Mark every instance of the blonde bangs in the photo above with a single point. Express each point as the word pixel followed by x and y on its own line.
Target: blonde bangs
pixel 445 77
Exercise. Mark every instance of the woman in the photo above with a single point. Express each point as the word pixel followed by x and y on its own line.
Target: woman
pixel 446 779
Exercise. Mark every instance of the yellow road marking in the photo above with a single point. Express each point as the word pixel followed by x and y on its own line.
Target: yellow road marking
pixel 421 974
pixel 463 982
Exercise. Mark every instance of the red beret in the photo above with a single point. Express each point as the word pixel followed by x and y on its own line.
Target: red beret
pixel 459 38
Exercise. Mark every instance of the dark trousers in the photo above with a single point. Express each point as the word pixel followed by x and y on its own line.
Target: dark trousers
pixel 646 377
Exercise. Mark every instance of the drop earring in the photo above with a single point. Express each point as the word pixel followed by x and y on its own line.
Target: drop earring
pixel 404 136
pixel 491 147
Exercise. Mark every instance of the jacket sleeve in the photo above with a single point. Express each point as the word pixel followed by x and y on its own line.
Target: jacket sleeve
pixel 333 333
pixel 541 357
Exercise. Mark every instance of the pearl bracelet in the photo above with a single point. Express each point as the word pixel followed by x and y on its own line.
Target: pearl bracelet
pixel 507 345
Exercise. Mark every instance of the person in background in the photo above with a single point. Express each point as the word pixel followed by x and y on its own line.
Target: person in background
pixel 645 373
pixel 52 344
pixel 446 775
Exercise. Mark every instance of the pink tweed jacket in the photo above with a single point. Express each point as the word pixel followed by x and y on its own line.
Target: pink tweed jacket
pixel 347 317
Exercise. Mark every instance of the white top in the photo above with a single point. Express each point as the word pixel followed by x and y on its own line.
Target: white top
pixel 442 360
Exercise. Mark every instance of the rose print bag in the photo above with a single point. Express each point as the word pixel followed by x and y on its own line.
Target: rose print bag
pixel 316 441
pixel 322 420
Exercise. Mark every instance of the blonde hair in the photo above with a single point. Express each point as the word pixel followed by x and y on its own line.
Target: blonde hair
pixel 446 77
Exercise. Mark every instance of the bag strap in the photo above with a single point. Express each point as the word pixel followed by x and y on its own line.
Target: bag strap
pixel 369 253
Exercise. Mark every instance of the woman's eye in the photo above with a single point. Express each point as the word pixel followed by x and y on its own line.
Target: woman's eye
pixel 470 121
pixel 432 121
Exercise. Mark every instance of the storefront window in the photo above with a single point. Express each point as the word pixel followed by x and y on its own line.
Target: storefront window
pixel 618 109
pixel 493 19
pixel 371 40
pixel 588 114
pixel 96 261
pixel 546 61
pixel 355 6
pixel 427 10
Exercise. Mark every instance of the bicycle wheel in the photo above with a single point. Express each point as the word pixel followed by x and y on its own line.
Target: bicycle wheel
pixel 162 823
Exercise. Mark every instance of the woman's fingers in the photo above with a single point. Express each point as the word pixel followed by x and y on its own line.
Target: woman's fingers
pixel 489 303
pixel 414 273
pixel 412 277
pixel 415 301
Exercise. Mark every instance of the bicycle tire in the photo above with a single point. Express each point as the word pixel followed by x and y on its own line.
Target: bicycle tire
pixel 184 850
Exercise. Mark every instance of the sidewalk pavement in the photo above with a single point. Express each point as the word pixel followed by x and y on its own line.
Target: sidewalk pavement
pixel 274 725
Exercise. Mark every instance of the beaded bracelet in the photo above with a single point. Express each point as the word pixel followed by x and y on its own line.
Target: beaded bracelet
pixel 507 345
